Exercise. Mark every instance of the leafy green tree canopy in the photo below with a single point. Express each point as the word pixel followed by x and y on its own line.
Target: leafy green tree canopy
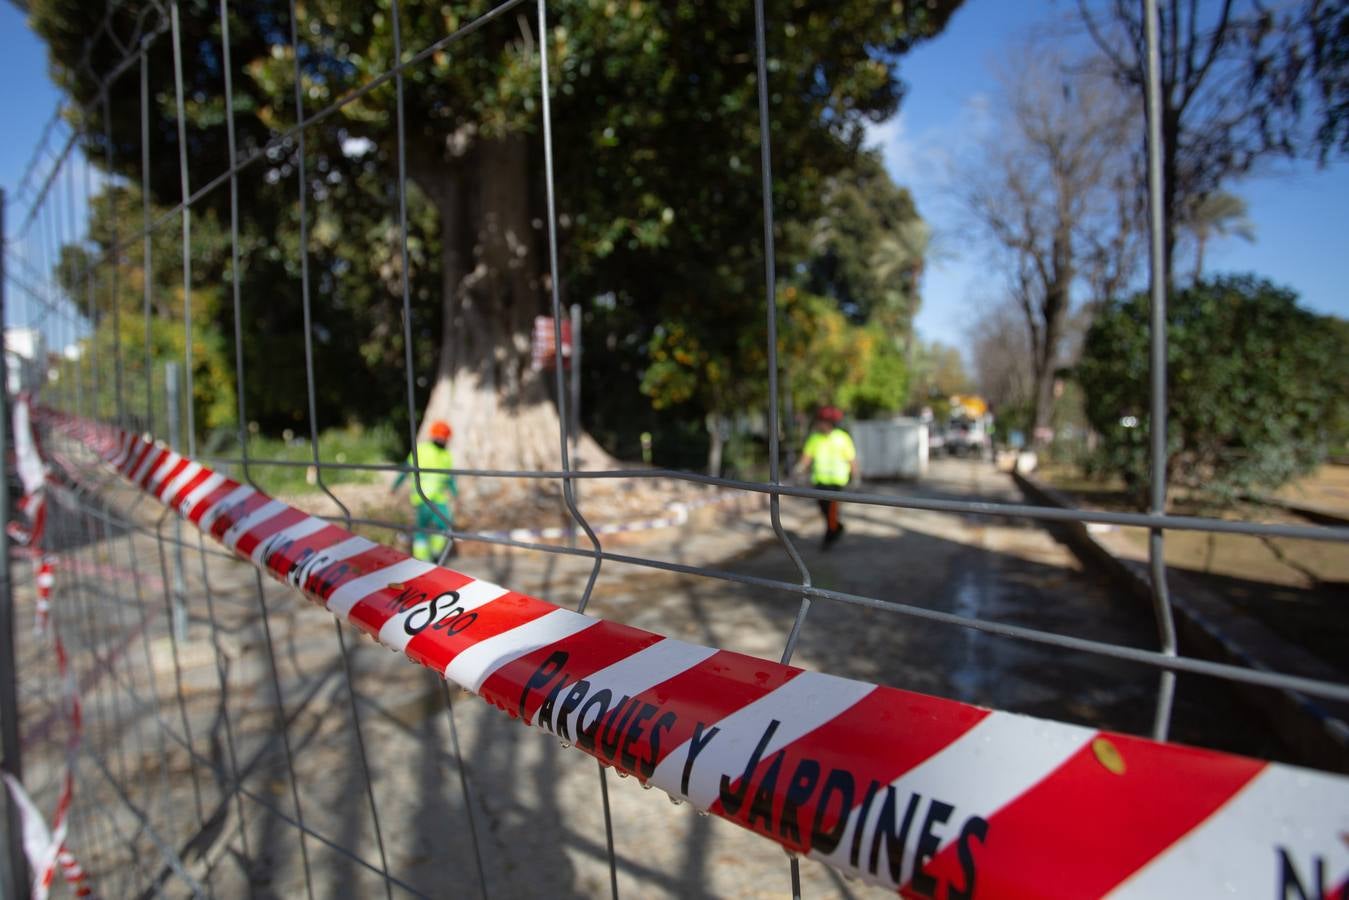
pixel 657 138
pixel 867 247
pixel 1255 386
pixel 826 359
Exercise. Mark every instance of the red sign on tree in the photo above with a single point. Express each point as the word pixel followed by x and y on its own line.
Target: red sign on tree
pixel 543 347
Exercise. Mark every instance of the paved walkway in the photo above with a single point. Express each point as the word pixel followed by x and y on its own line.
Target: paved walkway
pixel 538 817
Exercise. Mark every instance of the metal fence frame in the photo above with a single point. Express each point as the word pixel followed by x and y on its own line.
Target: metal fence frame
pixel 52 220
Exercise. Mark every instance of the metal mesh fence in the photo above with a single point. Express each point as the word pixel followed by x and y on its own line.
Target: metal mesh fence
pixel 231 745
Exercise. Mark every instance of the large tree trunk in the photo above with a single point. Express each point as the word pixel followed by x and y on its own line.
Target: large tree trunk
pixel 1044 398
pixel 493 285
pixel 716 444
pixel 1170 190
pixel 1053 309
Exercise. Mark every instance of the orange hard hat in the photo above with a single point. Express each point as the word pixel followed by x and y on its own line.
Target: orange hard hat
pixel 440 430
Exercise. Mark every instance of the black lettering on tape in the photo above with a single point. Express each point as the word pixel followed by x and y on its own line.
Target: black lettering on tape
pixel 634 734
pixel 273 546
pixel 228 515
pixel 761 807
pixel 542 675
pixel 544 719
pixel 409 598
pixel 664 723
pixel 1291 884
pixel 585 734
pixel 802 785
pixel 732 800
pixel 306 575
pixel 573 700
pixel 861 823
pixel 296 568
pixel 696 745
pixel 928 844
pixel 415 625
pixel 609 735
pixel 975 828
pixel 327 578
pixel 840 782
pixel 456 622
pixel 895 840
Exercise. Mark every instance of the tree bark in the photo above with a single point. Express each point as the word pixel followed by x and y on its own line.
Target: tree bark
pixel 492 286
pixel 1044 369
pixel 1170 190
pixel 716 443
pixel 1053 308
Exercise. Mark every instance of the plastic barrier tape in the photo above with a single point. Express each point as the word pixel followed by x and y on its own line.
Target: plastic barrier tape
pixel 46 847
pixel 929 796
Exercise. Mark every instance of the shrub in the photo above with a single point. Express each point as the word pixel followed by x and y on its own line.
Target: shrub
pixel 1256 387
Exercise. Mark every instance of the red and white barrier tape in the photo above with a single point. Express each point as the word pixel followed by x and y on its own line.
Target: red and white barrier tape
pixel 45 847
pixel 44 581
pixel 929 796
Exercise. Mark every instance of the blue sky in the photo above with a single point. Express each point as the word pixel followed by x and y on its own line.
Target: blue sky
pixel 28 98
pixel 1301 213
pixel 27 101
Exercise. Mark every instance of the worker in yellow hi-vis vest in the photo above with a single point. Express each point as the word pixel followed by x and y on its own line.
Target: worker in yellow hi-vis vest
pixel 832 459
pixel 435 514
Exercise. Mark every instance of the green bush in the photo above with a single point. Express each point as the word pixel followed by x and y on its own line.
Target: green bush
pixel 352 444
pixel 1256 387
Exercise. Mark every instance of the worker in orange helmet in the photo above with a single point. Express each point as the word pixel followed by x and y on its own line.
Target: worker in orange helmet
pixel 832 459
pixel 432 492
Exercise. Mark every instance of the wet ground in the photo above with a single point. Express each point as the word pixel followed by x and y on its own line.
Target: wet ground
pixel 170 722
pixel 993 569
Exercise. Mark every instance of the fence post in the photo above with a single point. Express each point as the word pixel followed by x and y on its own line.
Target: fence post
pixel 13 866
pixel 179 585
pixel 575 387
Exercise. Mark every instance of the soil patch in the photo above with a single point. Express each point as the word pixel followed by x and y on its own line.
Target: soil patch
pixel 1297 588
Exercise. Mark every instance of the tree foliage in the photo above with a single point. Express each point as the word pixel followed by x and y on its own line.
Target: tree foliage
pixel 866 249
pixel 1050 189
pixel 659 196
pixel 138 328
pixel 213 397
pixel 1215 215
pixel 938 373
pixel 1240 81
pixel 1256 386
pixel 1002 366
pixel 824 358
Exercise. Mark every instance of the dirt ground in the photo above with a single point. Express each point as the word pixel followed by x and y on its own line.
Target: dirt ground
pixel 1326 488
pixel 1297 588
pixel 499 505
pixel 263 693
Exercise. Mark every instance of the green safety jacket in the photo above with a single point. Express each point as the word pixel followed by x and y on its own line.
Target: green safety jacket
pixel 437 486
pixel 831 457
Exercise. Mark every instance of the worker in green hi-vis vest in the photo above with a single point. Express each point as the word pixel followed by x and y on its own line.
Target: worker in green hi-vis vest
pixel 435 514
pixel 832 459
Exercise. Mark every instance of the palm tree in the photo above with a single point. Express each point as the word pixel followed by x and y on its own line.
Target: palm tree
pixel 1218 214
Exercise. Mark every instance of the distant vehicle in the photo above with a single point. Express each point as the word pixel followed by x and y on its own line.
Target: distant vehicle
pixel 969 426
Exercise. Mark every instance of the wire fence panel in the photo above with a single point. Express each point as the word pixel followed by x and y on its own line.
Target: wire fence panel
pixel 211 735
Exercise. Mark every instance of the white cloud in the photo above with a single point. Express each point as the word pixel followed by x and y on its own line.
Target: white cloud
pixel 956 287
pixel 892 139
pixel 922 162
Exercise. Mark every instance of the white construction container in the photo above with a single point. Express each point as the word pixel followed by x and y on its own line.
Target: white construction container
pixel 890 448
